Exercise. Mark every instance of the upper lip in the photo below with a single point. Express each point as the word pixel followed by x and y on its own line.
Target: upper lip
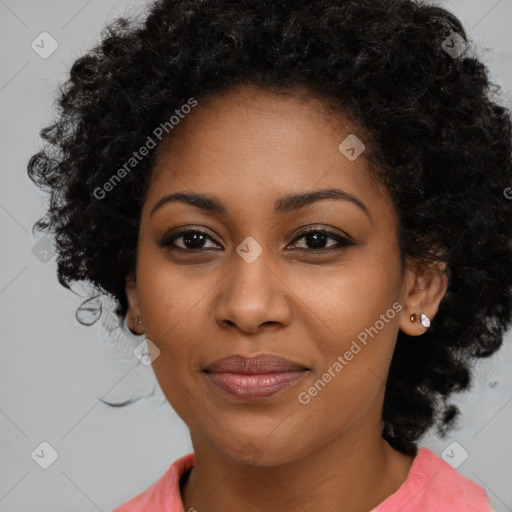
pixel 263 363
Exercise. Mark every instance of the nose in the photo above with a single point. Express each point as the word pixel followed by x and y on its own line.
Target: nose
pixel 253 296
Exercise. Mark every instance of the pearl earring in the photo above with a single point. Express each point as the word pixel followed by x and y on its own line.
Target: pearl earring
pixel 425 321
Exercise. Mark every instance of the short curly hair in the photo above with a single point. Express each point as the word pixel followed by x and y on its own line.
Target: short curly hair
pixel 436 136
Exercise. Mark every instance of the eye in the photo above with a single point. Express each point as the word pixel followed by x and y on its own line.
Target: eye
pixel 317 238
pixel 195 240
pixel 191 239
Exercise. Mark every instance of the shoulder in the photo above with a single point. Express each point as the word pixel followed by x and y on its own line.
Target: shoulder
pixel 164 494
pixel 433 485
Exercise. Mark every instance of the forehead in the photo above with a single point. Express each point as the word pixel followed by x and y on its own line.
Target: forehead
pixel 249 145
pixel 262 116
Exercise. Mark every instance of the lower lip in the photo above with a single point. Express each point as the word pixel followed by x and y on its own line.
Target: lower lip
pixel 255 386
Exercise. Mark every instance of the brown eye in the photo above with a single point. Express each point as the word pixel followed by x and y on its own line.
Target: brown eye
pixel 192 239
pixel 316 240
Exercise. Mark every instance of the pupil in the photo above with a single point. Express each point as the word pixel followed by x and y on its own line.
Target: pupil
pixel 197 238
pixel 317 238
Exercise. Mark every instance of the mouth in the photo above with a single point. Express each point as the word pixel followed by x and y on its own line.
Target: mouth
pixel 254 378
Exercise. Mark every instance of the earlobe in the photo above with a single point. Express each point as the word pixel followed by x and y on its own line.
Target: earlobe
pixel 133 316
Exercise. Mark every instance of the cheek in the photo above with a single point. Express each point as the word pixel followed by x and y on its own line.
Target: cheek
pixel 177 320
pixel 349 383
pixel 349 301
pixel 354 341
pixel 172 298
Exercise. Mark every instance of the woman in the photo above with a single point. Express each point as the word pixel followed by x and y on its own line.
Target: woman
pixel 301 206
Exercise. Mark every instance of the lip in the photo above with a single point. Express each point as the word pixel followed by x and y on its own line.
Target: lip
pixel 254 378
pixel 263 363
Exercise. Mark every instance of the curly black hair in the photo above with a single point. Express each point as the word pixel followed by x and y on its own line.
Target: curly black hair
pixel 405 70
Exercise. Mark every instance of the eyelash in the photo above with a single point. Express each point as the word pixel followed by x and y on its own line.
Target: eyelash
pixel 167 241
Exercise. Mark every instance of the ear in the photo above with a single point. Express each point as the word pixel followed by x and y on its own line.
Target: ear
pixel 425 285
pixel 134 312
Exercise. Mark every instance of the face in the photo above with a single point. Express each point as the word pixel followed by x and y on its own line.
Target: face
pixel 316 281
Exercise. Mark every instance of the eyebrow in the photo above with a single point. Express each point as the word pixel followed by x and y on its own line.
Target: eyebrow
pixel 283 205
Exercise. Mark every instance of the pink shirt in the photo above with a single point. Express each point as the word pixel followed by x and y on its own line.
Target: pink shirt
pixel 431 486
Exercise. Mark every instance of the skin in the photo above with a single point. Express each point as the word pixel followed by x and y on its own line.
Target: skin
pixel 248 148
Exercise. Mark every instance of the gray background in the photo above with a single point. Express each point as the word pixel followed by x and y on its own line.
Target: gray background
pixel 54 370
